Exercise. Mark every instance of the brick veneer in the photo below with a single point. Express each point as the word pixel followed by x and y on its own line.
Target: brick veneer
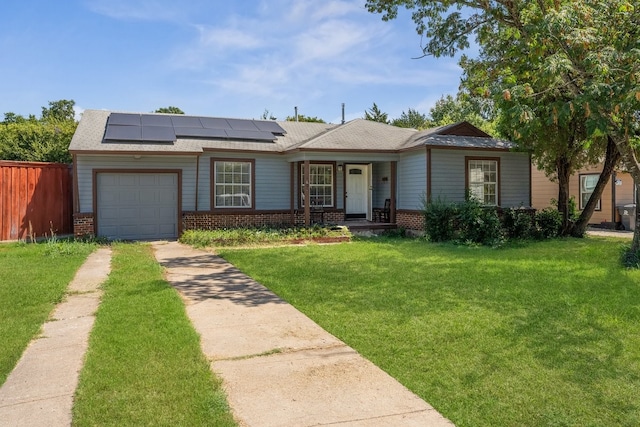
pixel 410 220
pixel 83 224
pixel 210 221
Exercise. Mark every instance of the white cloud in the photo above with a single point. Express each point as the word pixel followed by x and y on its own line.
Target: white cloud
pixel 139 10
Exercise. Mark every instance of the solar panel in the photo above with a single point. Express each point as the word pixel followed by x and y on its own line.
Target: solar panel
pixel 214 123
pixel 270 126
pixel 124 119
pixel 252 135
pixel 239 124
pixel 200 133
pixel 123 133
pixel 156 120
pixel 158 134
pixel 186 121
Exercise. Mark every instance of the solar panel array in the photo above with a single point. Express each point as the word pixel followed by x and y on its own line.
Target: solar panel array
pixel 140 128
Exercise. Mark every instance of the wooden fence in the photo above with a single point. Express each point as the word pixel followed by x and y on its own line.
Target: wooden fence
pixel 35 198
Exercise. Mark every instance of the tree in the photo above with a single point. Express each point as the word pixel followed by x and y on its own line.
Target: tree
pixel 266 115
pixel 376 115
pixel 43 140
pixel 412 119
pixel 60 111
pixel 169 110
pixel 303 118
pixel 480 112
pixel 587 53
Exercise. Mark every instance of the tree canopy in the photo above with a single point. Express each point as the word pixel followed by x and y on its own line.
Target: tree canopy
pixel 580 58
pixel 169 110
pixel 303 118
pixel 39 140
pixel 376 115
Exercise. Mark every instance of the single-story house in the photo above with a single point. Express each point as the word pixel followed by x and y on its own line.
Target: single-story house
pixel 618 193
pixel 140 176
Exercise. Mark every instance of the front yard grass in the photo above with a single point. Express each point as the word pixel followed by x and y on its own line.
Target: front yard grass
pixel 543 333
pixel 33 278
pixel 144 365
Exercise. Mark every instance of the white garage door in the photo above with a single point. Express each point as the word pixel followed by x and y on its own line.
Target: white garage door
pixel 137 205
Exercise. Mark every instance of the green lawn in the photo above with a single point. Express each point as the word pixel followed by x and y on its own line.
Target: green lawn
pixel 33 278
pixel 537 334
pixel 144 365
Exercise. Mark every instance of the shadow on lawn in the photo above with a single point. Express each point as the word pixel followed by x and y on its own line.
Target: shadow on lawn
pixel 207 277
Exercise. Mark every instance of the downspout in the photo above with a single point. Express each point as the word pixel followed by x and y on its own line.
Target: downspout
pixel 197 178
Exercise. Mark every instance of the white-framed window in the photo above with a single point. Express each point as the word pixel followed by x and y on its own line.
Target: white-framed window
pixel 482 180
pixel 232 183
pixel 587 185
pixel 320 184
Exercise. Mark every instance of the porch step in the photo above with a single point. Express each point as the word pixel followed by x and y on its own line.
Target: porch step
pixel 361 226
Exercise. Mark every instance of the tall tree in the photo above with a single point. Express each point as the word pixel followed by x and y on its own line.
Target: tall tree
pixel 412 119
pixel 169 110
pixel 376 115
pixel 587 52
pixel 478 111
pixel 62 110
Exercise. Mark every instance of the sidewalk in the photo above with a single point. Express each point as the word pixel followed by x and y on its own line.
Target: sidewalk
pixel 39 391
pixel 278 367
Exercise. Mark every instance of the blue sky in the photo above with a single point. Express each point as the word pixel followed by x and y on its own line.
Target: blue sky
pixel 216 58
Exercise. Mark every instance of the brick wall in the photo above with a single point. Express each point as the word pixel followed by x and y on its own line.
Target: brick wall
pixel 410 220
pixel 211 221
pixel 83 225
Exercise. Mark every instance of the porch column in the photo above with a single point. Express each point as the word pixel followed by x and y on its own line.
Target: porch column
pixel 305 189
pixel 394 173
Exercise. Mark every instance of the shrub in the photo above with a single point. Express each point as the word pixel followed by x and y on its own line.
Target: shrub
pixel 478 223
pixel 548 223
pixel 438 220
pixel 629 258
pixel 518 223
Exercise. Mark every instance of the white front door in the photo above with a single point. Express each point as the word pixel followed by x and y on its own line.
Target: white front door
pixel 357 190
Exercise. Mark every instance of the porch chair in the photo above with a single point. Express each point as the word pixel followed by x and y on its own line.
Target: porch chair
pixel 383 214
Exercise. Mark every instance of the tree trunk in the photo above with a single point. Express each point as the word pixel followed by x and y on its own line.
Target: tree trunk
pixel 632 165
pixel 563 169
pixel 611 159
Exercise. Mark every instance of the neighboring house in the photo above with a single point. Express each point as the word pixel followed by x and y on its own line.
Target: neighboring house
pixel 142 176
pixel 618 192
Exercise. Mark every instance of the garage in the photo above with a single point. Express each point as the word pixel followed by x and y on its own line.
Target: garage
pixel 137 205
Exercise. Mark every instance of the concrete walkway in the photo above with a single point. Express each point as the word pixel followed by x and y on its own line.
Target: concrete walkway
pixel 278 367
pixel 39 391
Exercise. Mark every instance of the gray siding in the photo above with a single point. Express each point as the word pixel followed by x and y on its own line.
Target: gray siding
pixel 272 180
pixel 381 189
pixel 448 175
pixel 412 180
pixel 87 163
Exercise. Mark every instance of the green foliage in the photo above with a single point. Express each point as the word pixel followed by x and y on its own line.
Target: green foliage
pixel 303 118
pixel 548 223
pixel 518 223
pixel 466 222
pixel 169 110
pixel 260 235
pixel 412 119
pixel 374 114
pixel 43 140
pixel 478 111
pixel 630 258
pixel 439 220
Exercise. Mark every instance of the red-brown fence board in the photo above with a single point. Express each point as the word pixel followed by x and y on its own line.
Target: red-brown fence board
pixel 35 198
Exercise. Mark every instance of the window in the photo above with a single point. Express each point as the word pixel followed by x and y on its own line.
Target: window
pixel 320 184
pixel 232 184
pixel 482 180
pixel 587 185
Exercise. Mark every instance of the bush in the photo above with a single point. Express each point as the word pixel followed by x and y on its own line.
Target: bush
pixel 548 223
pixel 518 223
pixel 629 258
pixel 478 223
pixel 438 220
